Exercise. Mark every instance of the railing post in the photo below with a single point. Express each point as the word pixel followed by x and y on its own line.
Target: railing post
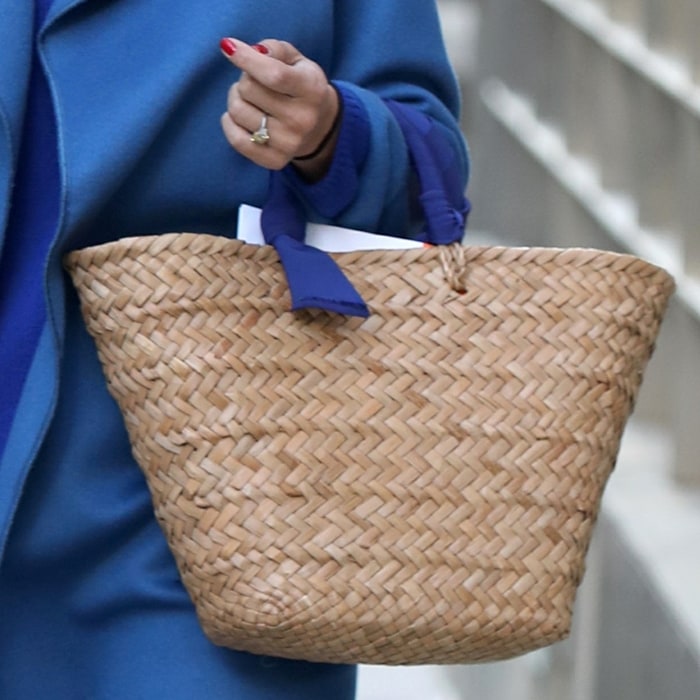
pixel 654 126
pixel 689 135
pixel 684 327
pixel 580 66
pixel 692 40
pixel 616 137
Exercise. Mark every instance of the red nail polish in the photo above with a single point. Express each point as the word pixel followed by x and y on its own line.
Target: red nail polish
pixel 227 46
pixel 261 48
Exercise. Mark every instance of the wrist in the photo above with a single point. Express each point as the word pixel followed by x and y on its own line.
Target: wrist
pixel 310 163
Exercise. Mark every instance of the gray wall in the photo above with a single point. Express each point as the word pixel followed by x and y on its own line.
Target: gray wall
pixel 584 123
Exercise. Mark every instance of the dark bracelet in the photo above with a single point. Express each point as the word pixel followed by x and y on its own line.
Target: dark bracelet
pixel 331 132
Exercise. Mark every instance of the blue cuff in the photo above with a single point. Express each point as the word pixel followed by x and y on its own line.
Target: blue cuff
pixel 338 188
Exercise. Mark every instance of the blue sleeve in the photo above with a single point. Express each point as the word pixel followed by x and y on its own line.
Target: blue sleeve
pixel 391 50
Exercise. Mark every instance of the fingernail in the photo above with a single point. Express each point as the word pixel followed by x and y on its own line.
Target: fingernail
pixel 261 48
pixel 227 46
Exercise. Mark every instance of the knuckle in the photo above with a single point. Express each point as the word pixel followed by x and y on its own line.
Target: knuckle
pixel 239 139
pixel 283 145
pixel 302 123
pixel 301 119
pixel 307 121
pixel 278 77
pixel 317 79
pixel 244 87
pixel 234 99
pixel 228 128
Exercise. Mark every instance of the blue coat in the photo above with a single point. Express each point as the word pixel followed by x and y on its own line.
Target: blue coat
pixel 91 606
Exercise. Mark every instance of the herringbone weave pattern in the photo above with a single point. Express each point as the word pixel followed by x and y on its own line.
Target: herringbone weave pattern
pixel 416 487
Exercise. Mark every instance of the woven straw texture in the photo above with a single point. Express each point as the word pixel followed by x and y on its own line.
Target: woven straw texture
pixel 415 487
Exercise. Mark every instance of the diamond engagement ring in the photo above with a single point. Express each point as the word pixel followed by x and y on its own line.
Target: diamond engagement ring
pixel 261 136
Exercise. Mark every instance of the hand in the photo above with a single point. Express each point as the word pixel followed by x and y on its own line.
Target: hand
pixel 292 91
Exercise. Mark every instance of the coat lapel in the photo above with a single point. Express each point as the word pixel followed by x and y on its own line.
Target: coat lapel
pixel 113 78
pixel 15 61
pixel 60 7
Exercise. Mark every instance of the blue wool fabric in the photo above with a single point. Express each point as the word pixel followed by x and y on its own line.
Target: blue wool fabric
pixel 32 225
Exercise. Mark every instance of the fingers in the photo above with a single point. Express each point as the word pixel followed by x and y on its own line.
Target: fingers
pixel 270 155
pixel 282 50
pixel 242 119
pixel 278 75
pixel 290 90
pixel 247 90
pixel 281 118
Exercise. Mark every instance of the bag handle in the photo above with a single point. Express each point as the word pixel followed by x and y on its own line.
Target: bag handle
pixel 284 222
pixel 433 160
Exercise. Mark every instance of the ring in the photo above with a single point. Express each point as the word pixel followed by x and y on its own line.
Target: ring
pixel 261 136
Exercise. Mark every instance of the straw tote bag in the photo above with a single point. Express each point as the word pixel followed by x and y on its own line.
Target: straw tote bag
pixel 417 486
pixel 414 487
